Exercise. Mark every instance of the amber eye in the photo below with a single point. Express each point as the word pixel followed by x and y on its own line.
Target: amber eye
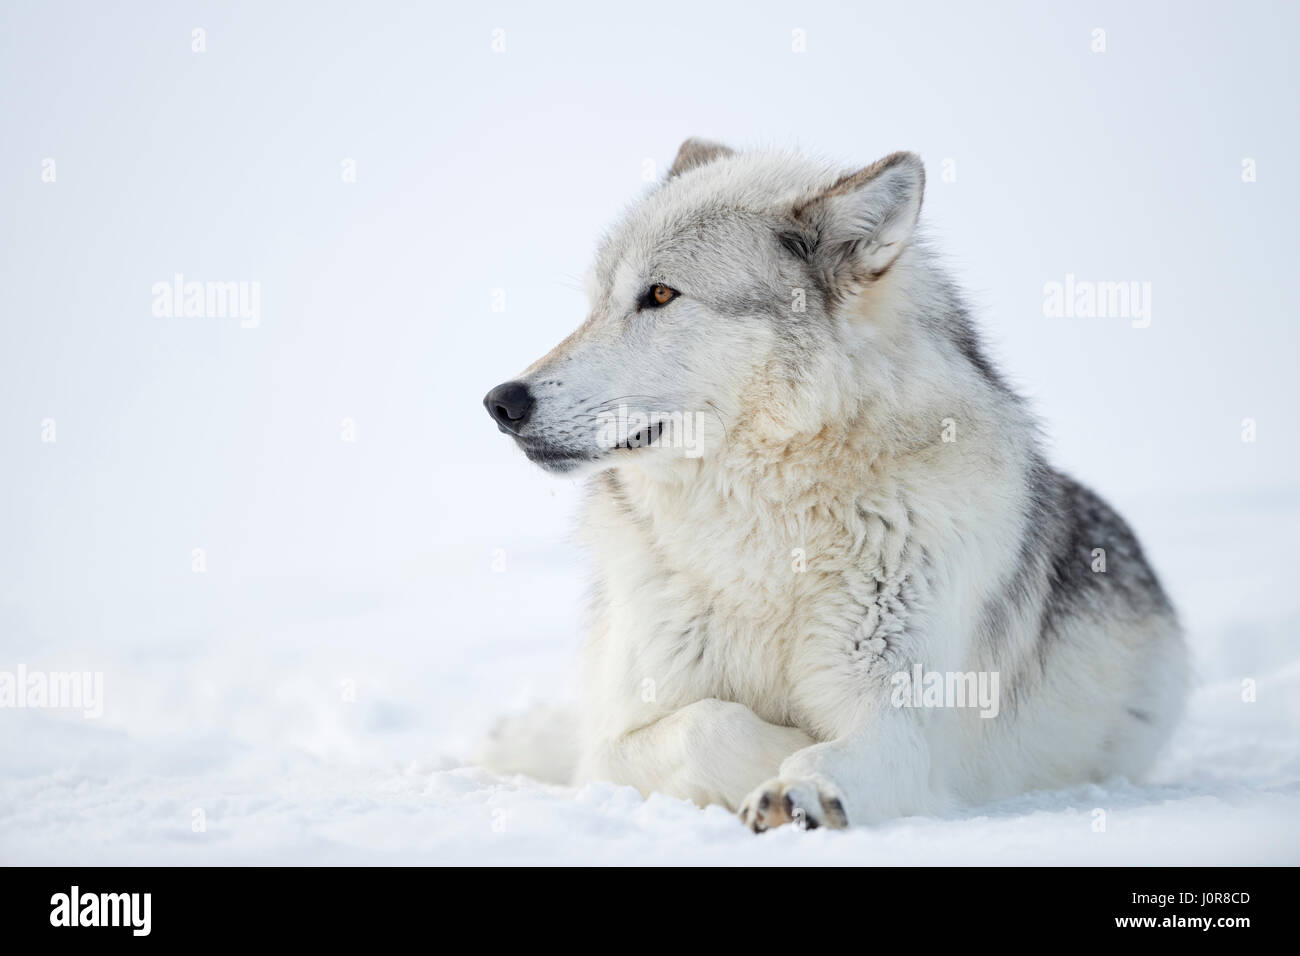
pixel 656 296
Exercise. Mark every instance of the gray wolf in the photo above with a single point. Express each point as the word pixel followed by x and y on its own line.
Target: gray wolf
pixel 822 523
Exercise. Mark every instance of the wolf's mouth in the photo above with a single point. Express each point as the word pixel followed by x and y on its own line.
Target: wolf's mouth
pixel 550 457
pixel 560 459
pixel 644 436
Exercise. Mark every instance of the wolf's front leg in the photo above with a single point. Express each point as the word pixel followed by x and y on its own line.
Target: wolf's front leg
pixel 875 772
pixel 710 751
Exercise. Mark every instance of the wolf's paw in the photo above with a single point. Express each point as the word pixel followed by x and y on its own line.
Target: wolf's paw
pixel 807 803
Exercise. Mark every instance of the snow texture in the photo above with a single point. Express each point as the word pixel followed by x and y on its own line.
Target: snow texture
pixel 251 727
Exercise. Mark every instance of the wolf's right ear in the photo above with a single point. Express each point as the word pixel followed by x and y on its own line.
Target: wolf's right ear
pixel 696 152
pixel 856 228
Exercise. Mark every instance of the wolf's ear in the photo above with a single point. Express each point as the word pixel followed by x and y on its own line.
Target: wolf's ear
pixel 855 229
pixel 696 152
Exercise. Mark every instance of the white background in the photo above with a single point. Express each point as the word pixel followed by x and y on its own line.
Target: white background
pixel 370 561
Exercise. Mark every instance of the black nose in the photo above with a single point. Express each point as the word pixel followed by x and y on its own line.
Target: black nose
pixel 510 404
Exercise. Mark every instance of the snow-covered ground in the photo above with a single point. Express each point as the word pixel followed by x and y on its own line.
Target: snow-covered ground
pixel 248 723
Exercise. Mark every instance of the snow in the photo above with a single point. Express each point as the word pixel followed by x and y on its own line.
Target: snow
pixel 251 727
pixel 303 637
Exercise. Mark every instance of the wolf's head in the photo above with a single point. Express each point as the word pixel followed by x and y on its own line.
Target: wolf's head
pixel 719 301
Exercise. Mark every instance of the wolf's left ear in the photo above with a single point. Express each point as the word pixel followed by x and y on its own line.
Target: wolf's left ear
pixel 696 152
pixel 856 228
